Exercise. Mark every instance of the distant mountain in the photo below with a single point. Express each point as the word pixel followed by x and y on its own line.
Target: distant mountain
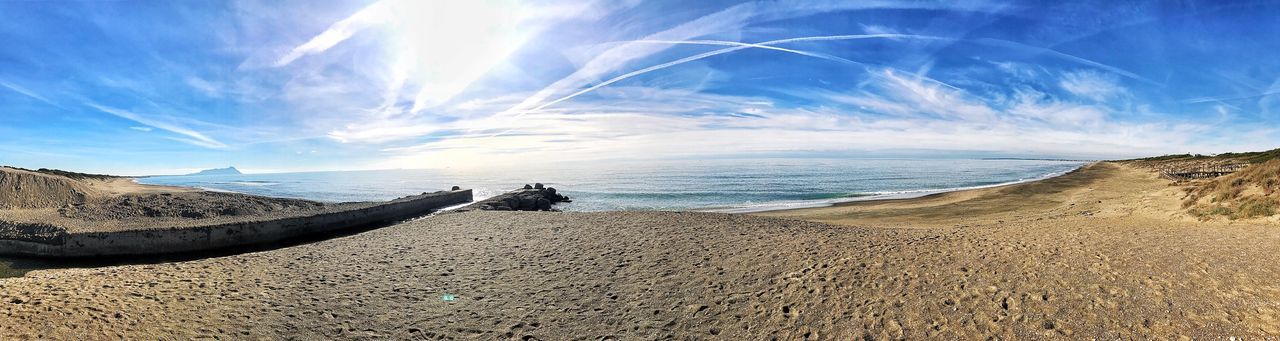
pixel 219 171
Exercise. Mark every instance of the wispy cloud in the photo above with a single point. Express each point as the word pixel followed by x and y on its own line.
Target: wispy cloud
pixel 705 55
pixel 409 82
pixel 767 44
pixel 1208 99
pixel 206 87
pixel 338 32
pixel 191 136
pixel 1092 85
pixel 28 93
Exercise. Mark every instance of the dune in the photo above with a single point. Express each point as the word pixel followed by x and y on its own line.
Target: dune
pixel 50 213
pixel 1253 192
pixel 22 189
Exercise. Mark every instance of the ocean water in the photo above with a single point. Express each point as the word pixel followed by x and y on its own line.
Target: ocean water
pixel 727 185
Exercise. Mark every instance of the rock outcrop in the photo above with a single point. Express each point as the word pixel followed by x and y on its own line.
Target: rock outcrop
pixel 528 198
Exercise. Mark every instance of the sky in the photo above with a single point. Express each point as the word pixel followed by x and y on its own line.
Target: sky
pixel 160 87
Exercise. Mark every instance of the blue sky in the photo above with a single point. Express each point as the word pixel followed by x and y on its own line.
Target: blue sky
pixel 137 87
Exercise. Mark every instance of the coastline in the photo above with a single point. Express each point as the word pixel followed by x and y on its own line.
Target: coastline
pixel 874 196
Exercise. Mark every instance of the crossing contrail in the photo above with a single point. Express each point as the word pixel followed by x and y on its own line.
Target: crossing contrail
pixel 736 46
pixel 799 52
pixel 723 51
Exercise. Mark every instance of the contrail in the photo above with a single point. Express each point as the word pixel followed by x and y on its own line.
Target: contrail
pixel 768 45
pixel 1229 98
pixel 803 53
pixel 723 51
pixel 760 46
pixel 1056 53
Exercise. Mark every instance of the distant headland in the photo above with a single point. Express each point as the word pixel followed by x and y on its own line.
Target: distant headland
pixel 218 171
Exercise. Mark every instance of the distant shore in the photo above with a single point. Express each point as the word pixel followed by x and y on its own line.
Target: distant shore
pixel 876 197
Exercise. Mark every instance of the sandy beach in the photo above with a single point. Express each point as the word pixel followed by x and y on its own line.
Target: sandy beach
pixel 1103 252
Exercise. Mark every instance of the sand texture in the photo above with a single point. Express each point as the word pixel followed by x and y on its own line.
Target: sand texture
pixel 31 200
pixel 1105 252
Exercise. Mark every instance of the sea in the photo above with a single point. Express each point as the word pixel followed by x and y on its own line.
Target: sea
pixel 718 185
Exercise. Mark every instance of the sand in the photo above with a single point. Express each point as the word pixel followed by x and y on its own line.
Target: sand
pixel 1104 252
pixel 108 204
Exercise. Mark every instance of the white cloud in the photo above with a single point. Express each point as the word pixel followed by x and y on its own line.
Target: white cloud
pixel 204 86
pixel 729 20
pixel 641 122
pixel 1036 105
pixel 1093 85
pixel 338 32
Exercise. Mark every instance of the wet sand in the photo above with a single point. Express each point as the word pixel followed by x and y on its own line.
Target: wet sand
pixel 1103 252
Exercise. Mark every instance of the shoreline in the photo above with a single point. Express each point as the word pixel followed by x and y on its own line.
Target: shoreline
pixel 873 197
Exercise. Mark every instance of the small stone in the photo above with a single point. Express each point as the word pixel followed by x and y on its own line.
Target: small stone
pixel 538 185
pixel 456 188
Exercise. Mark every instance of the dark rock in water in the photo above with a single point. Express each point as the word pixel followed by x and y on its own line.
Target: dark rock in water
pixel 535 197
pixel 456 188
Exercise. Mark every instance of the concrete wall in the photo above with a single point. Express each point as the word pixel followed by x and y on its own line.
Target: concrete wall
pixel 148 242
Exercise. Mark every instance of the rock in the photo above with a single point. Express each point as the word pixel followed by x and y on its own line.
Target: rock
pixel 528 203
pixel 535 197
pixel 456 188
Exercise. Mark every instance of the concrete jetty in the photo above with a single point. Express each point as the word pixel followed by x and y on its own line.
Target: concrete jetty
pixel 54 242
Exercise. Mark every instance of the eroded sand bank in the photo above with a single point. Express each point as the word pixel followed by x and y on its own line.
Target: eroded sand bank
pixel 1102 252
pixel 51 213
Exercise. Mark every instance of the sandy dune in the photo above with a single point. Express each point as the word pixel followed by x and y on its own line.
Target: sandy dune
pixel 105 204
pixel 1100 253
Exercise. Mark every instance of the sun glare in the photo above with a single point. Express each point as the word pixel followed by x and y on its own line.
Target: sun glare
pixel 444 46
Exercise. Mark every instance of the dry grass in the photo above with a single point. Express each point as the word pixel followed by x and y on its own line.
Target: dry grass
pixel 1251 193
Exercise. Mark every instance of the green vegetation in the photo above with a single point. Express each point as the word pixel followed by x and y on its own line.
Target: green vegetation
pixel 1247 157
pixel 72 175
pixel 1251 193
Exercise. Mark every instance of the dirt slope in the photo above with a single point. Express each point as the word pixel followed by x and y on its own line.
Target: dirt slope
pixel 21 189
